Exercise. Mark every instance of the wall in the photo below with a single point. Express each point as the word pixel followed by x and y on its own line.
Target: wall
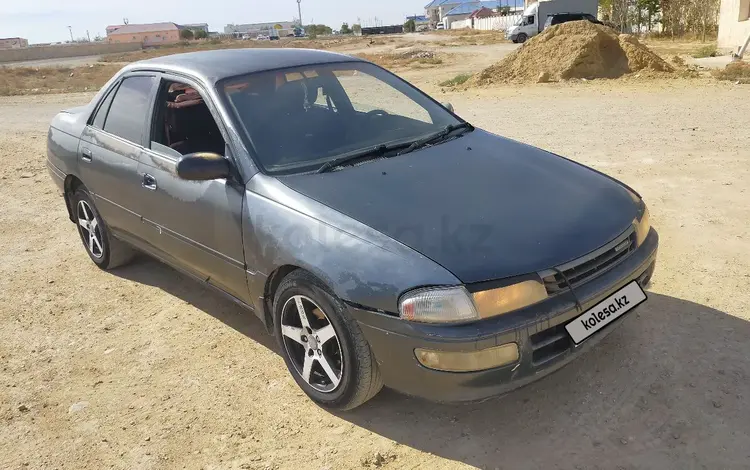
pixel 461 24
pixel 151 38
pixel 732 31
pixel 13 43
pixel 64 50
pixel 498 23
pixel 449 20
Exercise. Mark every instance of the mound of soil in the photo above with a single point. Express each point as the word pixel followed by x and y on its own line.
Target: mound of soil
pixel 578 49
pixel 739 71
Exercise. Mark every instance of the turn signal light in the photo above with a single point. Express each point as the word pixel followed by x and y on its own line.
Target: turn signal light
pixel 468 361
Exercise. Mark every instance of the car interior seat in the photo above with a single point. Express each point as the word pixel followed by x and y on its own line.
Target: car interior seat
pixel 191 127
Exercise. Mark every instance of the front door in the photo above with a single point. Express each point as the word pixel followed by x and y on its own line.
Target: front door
pixel 109 151
pixel 197 225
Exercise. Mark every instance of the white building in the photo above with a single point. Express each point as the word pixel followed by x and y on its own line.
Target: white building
pixel 283 28
pixel 734 23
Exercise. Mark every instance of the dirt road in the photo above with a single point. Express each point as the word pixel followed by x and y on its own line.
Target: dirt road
pixel 61 62
pixel 142 368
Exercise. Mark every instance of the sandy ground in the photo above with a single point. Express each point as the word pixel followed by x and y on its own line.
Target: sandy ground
pixel 143 368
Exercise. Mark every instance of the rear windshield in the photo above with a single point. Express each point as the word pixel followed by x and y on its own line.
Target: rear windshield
pixel 299 118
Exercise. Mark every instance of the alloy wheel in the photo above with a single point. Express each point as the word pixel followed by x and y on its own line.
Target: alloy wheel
pixel 90 230
pixel 311 343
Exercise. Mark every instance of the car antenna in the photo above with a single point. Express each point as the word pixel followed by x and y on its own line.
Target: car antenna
pixel 570 288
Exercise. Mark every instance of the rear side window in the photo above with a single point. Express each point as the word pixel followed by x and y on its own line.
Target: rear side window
pixel 101 113
pixel 130 109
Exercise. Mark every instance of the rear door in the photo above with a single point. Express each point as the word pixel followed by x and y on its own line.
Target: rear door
pixel 195 225
pixel 111 145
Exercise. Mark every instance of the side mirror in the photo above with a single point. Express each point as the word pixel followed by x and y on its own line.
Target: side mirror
pixel 448 106
pixel 202 166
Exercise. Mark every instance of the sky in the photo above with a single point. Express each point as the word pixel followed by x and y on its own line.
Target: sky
pixel 48 20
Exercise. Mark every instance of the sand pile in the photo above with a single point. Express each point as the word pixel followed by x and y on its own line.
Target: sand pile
pixel 578 49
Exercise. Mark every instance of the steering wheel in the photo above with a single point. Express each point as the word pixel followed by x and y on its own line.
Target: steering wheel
pixel 377 112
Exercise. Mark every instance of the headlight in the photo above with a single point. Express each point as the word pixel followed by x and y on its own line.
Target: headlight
pixel 641 222
pixel 506 299
pixel 438 305
pixel 642 226
pixel 456 305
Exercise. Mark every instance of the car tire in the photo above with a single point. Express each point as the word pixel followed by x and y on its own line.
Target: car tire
pixel 104 250
pixel 521 38
pixel 347 356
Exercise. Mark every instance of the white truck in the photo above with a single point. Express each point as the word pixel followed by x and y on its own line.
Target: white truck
pixel 535 15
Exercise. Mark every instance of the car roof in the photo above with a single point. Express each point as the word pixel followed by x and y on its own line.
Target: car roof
pixel 215 65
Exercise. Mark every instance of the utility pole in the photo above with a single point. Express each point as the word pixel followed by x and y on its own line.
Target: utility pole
pixel 88 35
pixel 70 30
pixel 299 12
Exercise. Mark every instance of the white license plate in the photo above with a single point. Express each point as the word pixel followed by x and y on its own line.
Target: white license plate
pixel 606 311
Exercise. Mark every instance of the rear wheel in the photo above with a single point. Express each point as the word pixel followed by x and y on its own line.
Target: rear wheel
pixel 322 345
pixel 521 38
pixel 103 249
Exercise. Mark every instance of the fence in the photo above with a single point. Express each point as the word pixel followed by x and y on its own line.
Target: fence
pixel 498 23
pixel 65 50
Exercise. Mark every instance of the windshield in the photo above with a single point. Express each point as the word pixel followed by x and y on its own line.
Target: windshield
pixel 297 119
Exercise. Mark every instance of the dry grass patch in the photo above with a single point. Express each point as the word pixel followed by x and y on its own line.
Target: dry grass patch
pixel 472 37
pixel 709 50
pixel 459 79
pixel 32 80
pixel 736 71
pixel 667 48
pixel 413 59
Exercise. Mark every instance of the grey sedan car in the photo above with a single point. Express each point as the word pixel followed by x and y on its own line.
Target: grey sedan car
pixel 379 236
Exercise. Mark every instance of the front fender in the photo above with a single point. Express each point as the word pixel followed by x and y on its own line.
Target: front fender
pixel 282 227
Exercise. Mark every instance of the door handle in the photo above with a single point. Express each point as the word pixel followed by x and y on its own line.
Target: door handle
pixel 86 155
pixel 149 182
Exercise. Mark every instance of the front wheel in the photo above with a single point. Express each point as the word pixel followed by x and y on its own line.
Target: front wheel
pixel 322 345
pixel 521 38
pixel 103 249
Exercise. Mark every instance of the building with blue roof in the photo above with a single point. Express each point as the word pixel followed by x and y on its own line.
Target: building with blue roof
pixel 436 9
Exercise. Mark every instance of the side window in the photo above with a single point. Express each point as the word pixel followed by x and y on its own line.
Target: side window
pixel 530 19
pixel 130 109
pixel 367 94
pixel 183 123
pixel 101 113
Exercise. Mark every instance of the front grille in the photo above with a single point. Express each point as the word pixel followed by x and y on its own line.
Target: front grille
pixel 549 345
pixel 595 264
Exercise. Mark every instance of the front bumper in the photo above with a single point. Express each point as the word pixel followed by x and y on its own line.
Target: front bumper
pixel 539 330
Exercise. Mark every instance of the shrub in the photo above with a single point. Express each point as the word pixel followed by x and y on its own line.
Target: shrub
pixel 706 51
pixel 737 71
pixel 459 79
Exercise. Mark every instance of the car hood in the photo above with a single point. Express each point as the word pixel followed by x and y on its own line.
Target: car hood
pixel 482 206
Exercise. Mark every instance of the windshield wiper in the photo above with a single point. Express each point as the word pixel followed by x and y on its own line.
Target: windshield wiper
pixel 436 137
pixel 368 154
pixel 379 151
